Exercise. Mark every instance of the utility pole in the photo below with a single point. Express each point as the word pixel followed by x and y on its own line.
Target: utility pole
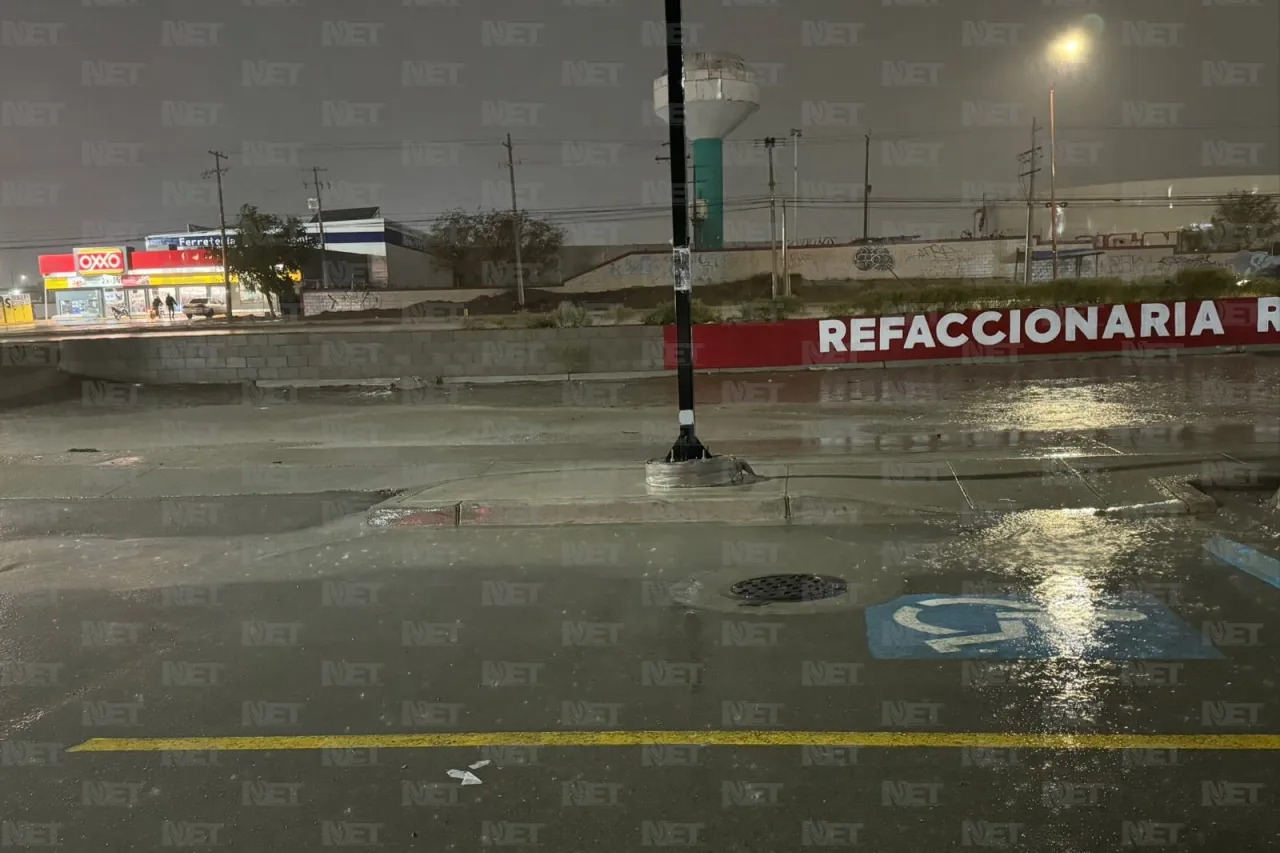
pixel 786 282
pixel 695 229
pixel 324 261
pixel 1053 182
pixel 694 220
pixel 769 143
pixel 218 171
pixel 687 447
pixel 866 190
pixel 518 236
pixel 796 133
pixel 1032 159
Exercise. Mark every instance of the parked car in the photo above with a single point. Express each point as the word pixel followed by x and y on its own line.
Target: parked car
pixel 201 306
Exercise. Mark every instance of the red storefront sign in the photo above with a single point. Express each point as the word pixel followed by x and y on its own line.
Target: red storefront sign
pixel 57 265
pixel 1005 333
pixel 99 261
pixel 174 259
pixel 87 264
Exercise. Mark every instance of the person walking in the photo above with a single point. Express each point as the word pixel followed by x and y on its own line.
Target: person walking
pixel 155 308
pixel 170 303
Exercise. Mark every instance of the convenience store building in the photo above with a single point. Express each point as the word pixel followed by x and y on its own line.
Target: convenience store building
pixel 364 251
pixel 98 281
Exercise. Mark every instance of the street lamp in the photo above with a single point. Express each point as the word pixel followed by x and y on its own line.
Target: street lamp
pixel 1066 52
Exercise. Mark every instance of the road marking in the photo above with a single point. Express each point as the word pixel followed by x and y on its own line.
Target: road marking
pixel 1247 559
pixel 889 740
pixel 938 626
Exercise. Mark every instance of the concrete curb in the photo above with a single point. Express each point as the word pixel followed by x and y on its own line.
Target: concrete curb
pixel 1183 489
pixel 725 506
pixel 1157 509
pixel 730 509
pixel 707 508
pixel 1183 499
pixel 622 376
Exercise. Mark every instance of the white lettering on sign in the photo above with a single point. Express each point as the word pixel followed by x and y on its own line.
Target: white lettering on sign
pixel 1269 314
pixel 100 261
pixel 1038 326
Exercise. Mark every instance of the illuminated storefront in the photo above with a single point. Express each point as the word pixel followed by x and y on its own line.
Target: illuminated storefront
pixel 119 283
pixel 364 250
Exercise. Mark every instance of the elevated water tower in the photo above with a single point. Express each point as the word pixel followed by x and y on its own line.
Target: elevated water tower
pixel 720 92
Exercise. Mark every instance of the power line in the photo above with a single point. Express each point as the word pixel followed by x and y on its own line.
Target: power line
pixel 625 211
pixel 812 135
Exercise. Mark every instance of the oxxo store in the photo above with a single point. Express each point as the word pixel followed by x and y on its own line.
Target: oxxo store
pixel 118 283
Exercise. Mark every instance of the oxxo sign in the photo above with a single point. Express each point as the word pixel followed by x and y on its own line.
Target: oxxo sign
pixel 99 261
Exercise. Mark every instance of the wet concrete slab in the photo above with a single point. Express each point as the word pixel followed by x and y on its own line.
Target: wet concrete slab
pixel 1006 485
pixel 270 478
pixel 211 514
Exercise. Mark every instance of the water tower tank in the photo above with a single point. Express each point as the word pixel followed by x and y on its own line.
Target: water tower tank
pixel 720 92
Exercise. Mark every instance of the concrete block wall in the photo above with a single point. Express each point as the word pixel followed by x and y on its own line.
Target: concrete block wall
pixel 327 301
pixel 950 259
pixel 378 354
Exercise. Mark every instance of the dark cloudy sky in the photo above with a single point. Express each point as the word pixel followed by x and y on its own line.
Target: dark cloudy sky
pixel 109 106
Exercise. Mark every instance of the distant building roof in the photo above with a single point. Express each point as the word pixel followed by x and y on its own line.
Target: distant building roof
pixel 346 214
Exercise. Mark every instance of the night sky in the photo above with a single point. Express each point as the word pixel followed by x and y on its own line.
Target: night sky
pixel 109 107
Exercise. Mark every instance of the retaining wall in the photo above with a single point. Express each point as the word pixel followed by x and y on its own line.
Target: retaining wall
pixel 952 259
pixel 384 353
pixel 328 301
pixel 947 259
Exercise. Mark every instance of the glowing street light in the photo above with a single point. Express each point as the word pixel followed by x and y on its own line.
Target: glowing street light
pixel 1067 50
pixel 1069 47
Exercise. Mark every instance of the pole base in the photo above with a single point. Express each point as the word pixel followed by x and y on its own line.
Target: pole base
pixel 687 448
pixel 664 475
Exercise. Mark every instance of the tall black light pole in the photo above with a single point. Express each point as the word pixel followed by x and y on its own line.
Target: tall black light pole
pixel 687 447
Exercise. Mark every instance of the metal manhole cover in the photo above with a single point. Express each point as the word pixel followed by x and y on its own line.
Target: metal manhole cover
pixel 788 588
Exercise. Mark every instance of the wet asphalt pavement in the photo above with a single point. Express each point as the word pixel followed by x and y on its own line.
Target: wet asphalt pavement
pixel 281 615
pixel 339 632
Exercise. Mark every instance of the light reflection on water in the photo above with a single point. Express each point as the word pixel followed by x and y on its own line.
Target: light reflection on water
pixel 838 435
pixel 1067 562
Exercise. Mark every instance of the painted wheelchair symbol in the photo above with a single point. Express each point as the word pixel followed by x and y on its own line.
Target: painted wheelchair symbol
pixel 1012 617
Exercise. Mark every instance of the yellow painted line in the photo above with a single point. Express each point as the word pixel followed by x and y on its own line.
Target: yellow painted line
pixel 890 740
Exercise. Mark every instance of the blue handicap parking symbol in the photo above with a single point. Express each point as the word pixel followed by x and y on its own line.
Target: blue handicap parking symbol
pixel 1010 627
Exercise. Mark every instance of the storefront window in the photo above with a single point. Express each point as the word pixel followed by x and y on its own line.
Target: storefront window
pixel 81 302
pixel 185 294
pixel 138 300
pixel 115 302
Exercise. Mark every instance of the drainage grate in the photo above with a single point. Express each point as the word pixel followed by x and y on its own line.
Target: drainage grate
pixel 788 588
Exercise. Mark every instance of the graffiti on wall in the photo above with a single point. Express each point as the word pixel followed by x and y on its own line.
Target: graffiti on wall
pixel 1139 264
pixel 938 260
pixel 317 302
pixel 877 258
pixel 1251 263
pixel 660 265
